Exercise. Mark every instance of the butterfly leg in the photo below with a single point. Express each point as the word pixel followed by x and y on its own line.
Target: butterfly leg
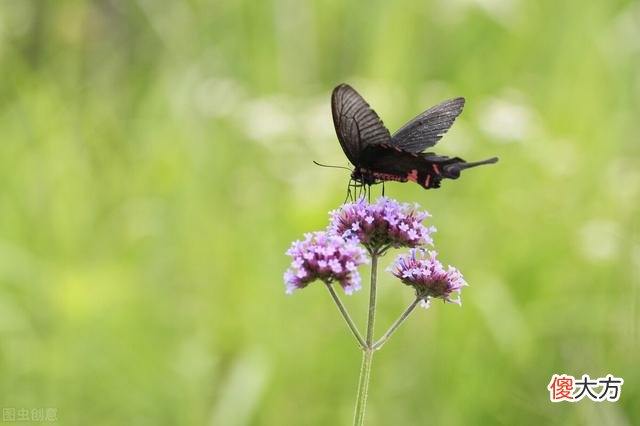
pixel 383 188
pixel 350 194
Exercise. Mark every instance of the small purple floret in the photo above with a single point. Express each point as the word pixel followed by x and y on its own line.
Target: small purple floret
pixel 326 257
pixel 421 270
pixel 381 225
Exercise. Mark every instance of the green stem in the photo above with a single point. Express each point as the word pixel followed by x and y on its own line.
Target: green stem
pixel 372 298
pixel 363 387
pixel 396 324
pixel 347 317
pixel 367 355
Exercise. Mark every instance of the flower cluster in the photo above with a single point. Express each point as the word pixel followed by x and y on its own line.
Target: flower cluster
pixel 326 257
pixel 421 270
pixel 384 224
pixel 335 254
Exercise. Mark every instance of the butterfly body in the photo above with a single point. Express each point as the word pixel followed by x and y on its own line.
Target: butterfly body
pixel 379 157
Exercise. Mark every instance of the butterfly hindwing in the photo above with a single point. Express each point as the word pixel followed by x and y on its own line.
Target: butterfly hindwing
pixel 427 129
pixel 386 162
pixel 357 125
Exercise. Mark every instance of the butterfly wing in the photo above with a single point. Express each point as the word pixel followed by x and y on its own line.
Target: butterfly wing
pixel 357 125
pixel 387 162
pixel 428 128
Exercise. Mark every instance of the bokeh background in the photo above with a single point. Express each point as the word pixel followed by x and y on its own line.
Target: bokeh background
pixel 156 162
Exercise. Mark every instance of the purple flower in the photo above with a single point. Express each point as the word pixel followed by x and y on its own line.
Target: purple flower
pixel 326 257
pixel 384 224
pixel 421 270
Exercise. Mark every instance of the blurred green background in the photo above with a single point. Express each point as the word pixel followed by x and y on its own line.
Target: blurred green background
pixel 156 162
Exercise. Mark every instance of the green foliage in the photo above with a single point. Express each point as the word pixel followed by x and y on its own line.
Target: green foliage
pixel 155 164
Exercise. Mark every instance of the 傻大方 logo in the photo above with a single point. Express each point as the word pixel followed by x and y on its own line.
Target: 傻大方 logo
pixel 567 388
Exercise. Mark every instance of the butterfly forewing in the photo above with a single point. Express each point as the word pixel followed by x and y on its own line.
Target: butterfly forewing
pixel 428 128
pixel 357 125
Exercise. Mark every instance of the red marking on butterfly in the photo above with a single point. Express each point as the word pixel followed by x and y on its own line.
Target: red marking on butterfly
pixel 389 176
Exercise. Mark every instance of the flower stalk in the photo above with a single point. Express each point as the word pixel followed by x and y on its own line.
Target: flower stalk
pixel 367 353
pixel 396 324
pixel 333 257
pixel 347 317
pixel 373 291
pixel 363 387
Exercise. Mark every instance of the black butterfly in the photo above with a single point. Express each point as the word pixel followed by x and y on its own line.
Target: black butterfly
pixel 378 156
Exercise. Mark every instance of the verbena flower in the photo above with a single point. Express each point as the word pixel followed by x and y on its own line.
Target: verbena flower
pixel 326 257
pixel 421 270
pixel 384 224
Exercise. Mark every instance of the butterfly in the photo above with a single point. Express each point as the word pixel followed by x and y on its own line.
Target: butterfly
pixel 378 156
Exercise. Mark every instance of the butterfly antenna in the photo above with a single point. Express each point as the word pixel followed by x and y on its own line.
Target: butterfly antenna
pixel 330 166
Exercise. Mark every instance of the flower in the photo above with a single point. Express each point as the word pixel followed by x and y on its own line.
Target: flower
pixel 387 223
pixel 326 257
pixel 421 270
